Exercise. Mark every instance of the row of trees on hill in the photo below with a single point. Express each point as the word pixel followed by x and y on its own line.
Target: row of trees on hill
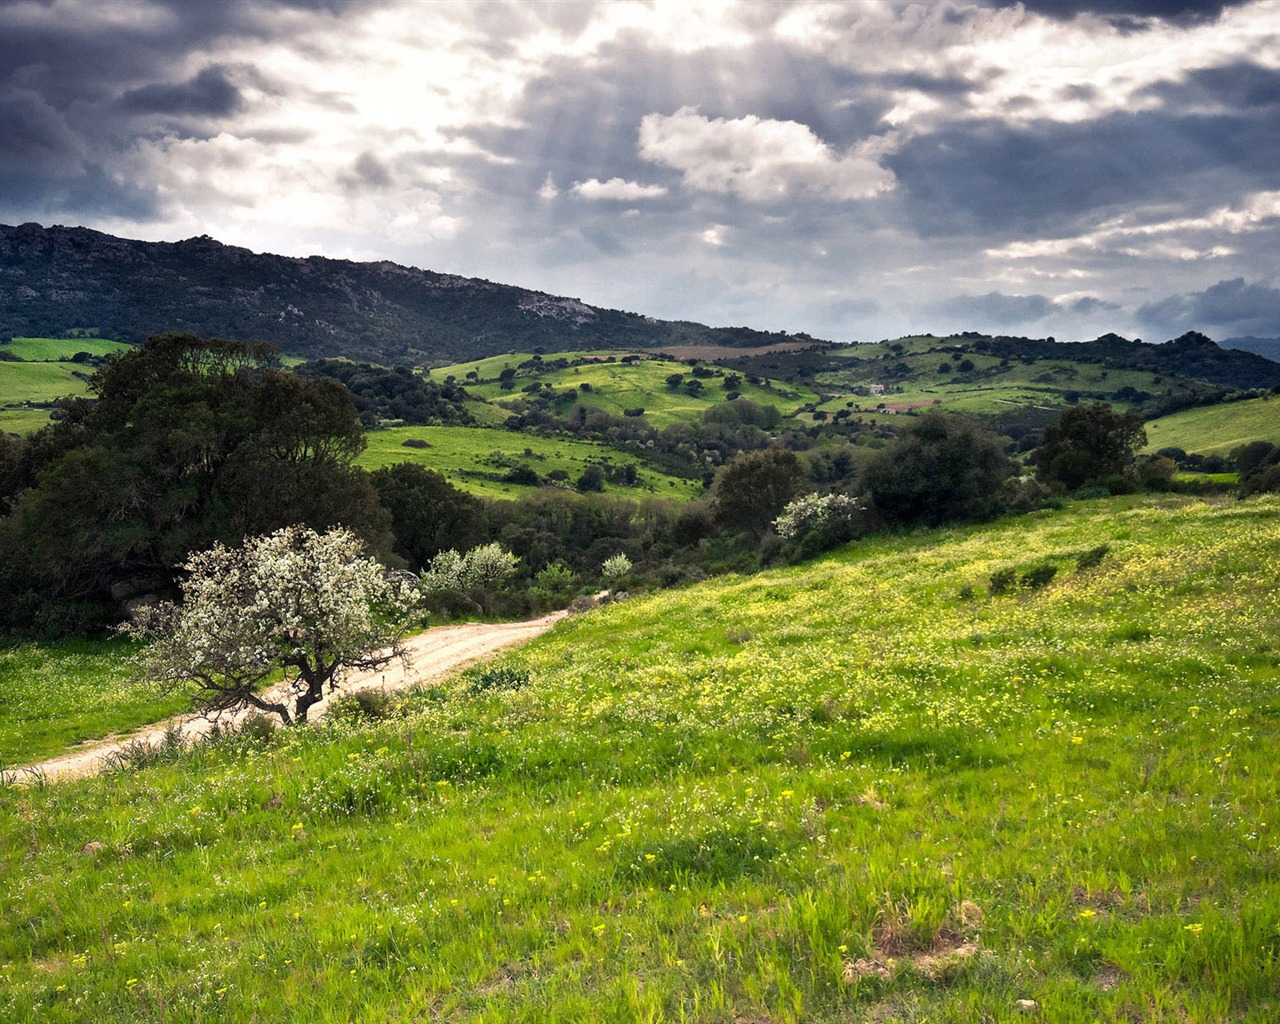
pixel 189 443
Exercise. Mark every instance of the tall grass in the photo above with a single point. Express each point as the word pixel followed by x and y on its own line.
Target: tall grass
pixel 839 792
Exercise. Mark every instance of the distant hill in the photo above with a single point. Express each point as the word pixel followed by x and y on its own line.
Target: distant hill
pixel 55 280
pixel 1268 347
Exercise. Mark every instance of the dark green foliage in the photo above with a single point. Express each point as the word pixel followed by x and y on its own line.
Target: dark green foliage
pixel 1258 464
pixel 941 468
pixel 428 514
pixel 1092 558
pixel 1089 443
pixel 492 679
pixel 592 479
pixel 189 443
pixel 752 489
pixel 1039 576
pixel 395 393
pixel 1001 582
pixel 362 706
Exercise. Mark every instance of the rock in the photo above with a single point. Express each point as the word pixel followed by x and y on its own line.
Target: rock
pixel 1027 1006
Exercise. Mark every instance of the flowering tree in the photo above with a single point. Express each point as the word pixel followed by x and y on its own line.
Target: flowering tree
pixel 310 603
pixel 477 572
pixel 615 568
pixel 815 512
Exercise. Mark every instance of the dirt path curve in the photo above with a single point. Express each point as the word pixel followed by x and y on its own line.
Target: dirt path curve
pixel 432 654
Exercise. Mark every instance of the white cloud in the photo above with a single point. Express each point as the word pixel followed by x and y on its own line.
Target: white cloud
pixel 761 160
pixel 548 190
pixel 617 190
pixel 1141 235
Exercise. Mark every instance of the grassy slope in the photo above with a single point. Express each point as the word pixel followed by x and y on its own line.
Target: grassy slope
pixel 40 382
pixel 57 695
pixel 52 349
pixel 620 386
pixel 1217 429
pixel 988 389
pixel 466 455
pixel 790 797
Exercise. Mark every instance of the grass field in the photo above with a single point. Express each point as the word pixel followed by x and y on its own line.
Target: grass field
pixel 475 459
pixel 57 695
pixel 616 387
pixel 863 789
pixel 22 421
pixel 40 382
pixel 1217 429
pixel 52 349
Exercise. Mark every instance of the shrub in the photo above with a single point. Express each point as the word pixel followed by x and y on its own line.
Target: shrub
pixel 1001 581
pixel 363 706
pixel 615 568
pixel 494 679
pixel 1040 576
pixel 1091 558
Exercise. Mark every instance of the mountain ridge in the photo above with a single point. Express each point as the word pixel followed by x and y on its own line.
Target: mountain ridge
pixel 57 279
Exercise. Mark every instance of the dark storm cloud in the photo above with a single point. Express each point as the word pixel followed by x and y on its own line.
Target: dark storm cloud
pixel 1178 12
pixel 36 137
pixel 1041 179
pixel 994 308
pixel 1227 308
pixel 1089 304
pixel 211 93
pixel 1243 86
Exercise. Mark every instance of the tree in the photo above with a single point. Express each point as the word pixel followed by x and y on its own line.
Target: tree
pixel 940 468
pixel 1089 443
pixel 312 604
pixel 189 443
pixel 472 577
pixel 428 514
pixel 753 488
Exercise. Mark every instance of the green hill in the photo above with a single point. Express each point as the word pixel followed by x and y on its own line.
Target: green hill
pixel 864 788
pixel 1217 429
pixel 482 460
pixel 609 383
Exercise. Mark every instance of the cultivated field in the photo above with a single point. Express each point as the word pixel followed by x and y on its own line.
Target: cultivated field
pixel 865 788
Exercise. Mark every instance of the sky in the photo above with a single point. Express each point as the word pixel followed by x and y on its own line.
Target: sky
pixel 853 170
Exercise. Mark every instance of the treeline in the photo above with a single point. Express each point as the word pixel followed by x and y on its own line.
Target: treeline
pixel 187 443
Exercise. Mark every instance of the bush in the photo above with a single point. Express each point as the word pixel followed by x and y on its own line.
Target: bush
pixel 1091 558
pixel 363 706
pixel 490 680
pixel 1001 581
pixel 1040 576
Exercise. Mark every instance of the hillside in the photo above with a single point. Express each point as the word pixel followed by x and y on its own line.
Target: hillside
pixel 865 788
pixel 1217 429
pixel 59 279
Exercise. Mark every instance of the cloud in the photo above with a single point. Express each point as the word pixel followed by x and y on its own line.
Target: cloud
pixel 761 160
pixel 616 190
pixel 994 309
pixel 1228 308
pixel 211 93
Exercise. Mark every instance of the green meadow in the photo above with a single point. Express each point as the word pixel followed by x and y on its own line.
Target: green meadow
pixel 921 779
pixel 35 350
pixel 617 386
pixel 56 695
pixel 1217 429
pixel 477 458
pixel 41 382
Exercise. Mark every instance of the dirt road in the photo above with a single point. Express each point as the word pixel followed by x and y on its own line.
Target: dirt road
pixel 432 654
